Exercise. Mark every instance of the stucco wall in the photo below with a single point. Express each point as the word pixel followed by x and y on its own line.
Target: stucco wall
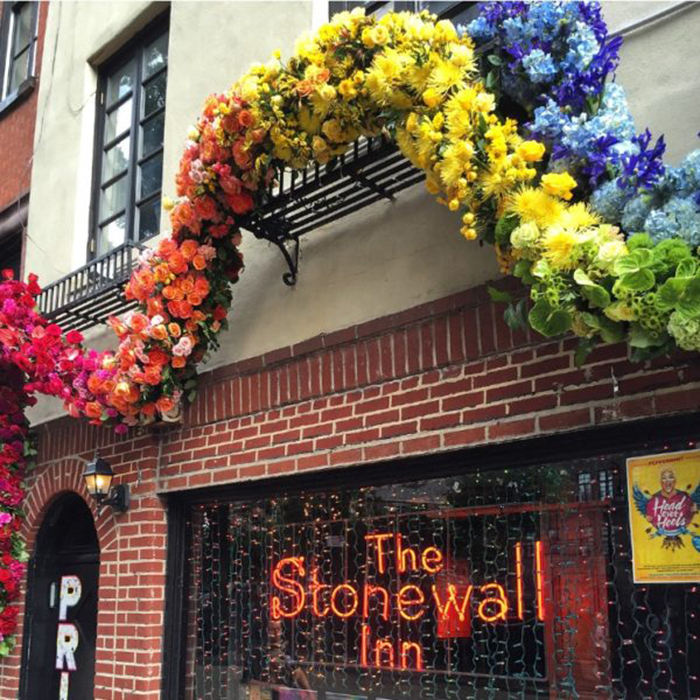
pixel 390 257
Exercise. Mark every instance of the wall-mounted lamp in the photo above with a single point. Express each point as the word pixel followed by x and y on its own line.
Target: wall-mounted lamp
pixel 98 477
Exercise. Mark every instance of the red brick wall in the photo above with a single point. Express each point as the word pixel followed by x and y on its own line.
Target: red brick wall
pixel 17 132
pixel 443 376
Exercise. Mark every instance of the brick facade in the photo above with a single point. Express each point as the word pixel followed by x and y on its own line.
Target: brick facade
pixel 17 132
pixel 444 376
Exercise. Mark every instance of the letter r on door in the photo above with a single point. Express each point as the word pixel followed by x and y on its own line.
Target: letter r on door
pixel 66 644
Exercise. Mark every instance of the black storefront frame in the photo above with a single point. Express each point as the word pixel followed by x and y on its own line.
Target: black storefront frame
pixel 569 445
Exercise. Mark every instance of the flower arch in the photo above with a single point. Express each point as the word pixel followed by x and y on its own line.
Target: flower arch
pixel 517 130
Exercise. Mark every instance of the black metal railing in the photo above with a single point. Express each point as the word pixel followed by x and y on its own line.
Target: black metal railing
pixel 93 293
pixel 304 200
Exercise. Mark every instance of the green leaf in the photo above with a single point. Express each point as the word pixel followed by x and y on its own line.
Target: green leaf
pixel 686 268
pixel 641 338
pixel 670 293
pixel 580 277
pixel 610 331
pixel 541 268
pixel 636 260
pixel 191 395
pixel 689 303
pixel 491 80
pixel 494 60
pixel 504 227
pixel 498 296
pixel 583 350
pixel 549 320
pixel 522 269
pixel 638 281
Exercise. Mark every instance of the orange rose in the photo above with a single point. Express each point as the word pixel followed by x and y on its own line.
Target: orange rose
pixel 199 262
pixel 94 384
pixel 161 273
pixel 177 263
pixel 246 118
pixel 165 404
pixel 159 332
pixel 93 409
pixel 138 322
pixel 178 362
pixel 188 249
pixel 155 307
pixel 148 409
pixel 157 357
pixel 174 330
pixel 167 247
pixel 170 292
pixel 195 299
pixel 187 285
pixel 152 375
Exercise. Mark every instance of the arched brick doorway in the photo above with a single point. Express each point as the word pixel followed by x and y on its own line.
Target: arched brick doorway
pixel 61 618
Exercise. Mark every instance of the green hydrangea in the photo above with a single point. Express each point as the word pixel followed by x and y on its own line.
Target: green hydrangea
pixel 686 331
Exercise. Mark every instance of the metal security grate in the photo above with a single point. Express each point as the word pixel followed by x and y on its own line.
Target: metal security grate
pixel 93 293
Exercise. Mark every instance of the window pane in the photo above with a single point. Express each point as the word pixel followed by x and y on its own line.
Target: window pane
pixel 154 95
pixel 149 218
pixel 111 235
pixel 118 121
pixel 151 175
pixel 19 71
pixel 113 198
pixel 155 55
pixel 23 27
pixel 116 159
pixel 153 134
pixel 120 82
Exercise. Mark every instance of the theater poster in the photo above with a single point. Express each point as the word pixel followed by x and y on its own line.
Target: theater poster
pixel 663 494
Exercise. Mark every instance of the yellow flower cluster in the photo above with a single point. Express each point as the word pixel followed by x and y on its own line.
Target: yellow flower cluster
pixel 405 74
pixel 565 236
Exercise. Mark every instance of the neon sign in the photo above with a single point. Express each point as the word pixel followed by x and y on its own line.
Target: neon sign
pixel 298 589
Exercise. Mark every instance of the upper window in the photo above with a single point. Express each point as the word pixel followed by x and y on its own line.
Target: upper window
pixel 19 32
pixel 129 164
pixel 458 12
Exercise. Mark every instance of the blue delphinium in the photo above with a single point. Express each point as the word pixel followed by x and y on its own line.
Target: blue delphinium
pixel 563 45
pixel 588 145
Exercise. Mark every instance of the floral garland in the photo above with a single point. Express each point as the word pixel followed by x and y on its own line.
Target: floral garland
pixel 456 116
pixel 526 140
pixel 35 357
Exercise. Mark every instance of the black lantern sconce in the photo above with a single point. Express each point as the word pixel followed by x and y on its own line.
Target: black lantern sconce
pixel 98 477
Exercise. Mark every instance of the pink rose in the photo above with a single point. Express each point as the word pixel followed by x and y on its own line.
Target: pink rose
pixel 183 347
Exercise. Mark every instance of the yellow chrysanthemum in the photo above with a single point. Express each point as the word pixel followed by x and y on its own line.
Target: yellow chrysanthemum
pixel 456 162
pixel 559 245
pixel 579 216
pixel 534 205
pixel 445 76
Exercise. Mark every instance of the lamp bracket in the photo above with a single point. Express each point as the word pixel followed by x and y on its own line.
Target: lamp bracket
pixel 119 498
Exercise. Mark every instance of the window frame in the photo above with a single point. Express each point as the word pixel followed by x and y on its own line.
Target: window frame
pixel 132 50
pixel 8 53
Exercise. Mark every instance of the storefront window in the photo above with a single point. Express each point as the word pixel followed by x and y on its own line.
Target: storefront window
pixel 489 584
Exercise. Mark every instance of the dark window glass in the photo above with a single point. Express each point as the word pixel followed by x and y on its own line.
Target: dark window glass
pixel 19 33
pixel 130 125
pixel 501 583
pixel 458 12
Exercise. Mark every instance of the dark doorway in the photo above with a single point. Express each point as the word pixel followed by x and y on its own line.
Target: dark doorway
pixel 61 619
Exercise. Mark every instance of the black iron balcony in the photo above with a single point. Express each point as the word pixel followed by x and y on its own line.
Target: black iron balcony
pixel 303 200
pixel 93 293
